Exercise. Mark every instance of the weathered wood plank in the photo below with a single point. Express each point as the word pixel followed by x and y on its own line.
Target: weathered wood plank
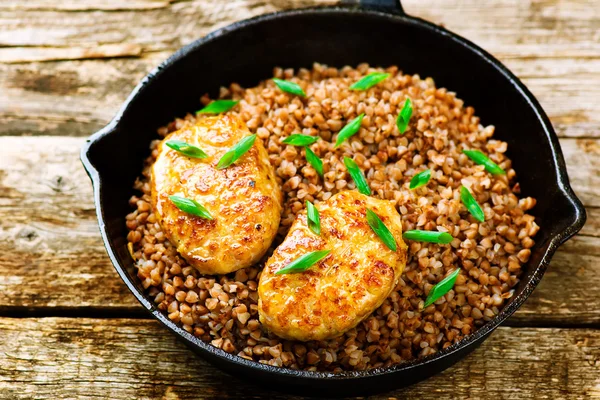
pixel 53 256
pixel 583 165
pixel 83 5
pixel 75 98
pixel 514 29
pixel 592 226
pixel 72 98
pixel 154 29
pixel 563 296
pixel 23 54
pixel 561 88
pixel 49 238
pixel 124 359
pixel 552 45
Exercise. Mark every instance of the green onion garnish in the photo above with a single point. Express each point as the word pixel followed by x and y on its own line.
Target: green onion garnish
pixel 479 158
pixel 381 230
pixel 304 262
pixel 190 206
pixel 369 81
pixel 358 176
pixel 218 106
pixel 350 129
pixel 428 236
pixel 441 288
pixel 404 116
pixel 471 204
pixel 289 87
pixel 236 151
pixel 186 149
pixel 300 140
pixel 312 215
pixel 314 160
pixel 420 179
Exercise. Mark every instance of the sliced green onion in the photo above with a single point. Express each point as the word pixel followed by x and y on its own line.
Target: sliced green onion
pixel 289 87
pixel 218 106
pixel 238 150
pixel 369 81
pixel 420 179
pixel 312 215
pixel 404 116
pixel 479 158
pixel 186 149
pixel 300 140
pixel 358 176
pixel 471 204
pixel 350 129
pixel 441 288
pixel 428 236
pixel 190 206
pixel 304 262
pixel 314 160
pixel 381 230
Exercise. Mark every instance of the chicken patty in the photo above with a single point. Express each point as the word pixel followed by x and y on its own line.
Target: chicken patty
pixel 244 199
pixel 344 288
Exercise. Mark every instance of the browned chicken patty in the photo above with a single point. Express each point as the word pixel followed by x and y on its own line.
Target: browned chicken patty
pixel 344 288
pixel 244 199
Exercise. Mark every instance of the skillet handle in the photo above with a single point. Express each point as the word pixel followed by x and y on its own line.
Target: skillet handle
pixel 394 6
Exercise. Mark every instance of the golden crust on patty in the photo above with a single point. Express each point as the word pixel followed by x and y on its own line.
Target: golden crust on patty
pixel 344 288
pixel 244 199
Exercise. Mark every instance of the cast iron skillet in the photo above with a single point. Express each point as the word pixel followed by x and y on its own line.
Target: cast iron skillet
pixel 377 32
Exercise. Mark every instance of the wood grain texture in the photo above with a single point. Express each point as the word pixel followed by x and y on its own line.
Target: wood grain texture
pixel 554 46
pixel 73 98
pixel 91 91
pixel 160 26
pixel 21 54
pixel 65 68
pixel 516 29
pixel 51 255
pixel 83 5
pixel 123 359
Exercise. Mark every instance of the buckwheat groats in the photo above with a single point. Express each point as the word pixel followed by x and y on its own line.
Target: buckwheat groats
pixel 222 309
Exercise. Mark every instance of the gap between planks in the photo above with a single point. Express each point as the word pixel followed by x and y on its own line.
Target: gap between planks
pixel 140 313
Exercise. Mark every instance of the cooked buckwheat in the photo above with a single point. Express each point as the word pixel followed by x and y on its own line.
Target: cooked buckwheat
pixel 222 310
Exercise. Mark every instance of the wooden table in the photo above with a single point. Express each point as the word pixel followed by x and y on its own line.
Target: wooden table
pixel 68 326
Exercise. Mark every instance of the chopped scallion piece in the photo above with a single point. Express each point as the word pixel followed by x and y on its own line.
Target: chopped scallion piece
pixel 300 140
pixel 218 106
pixel 190 206
pixel 369 81
pixel 290 87
pixel 304 262
pixel 441 288
pixel 479 158
pixel 404 116
pixel 349 130
pixel 428 236
pixel 420 179
pixel 381 230
pixel 312 215
pixel 358 176
pixel 238 150
pixel 314 160
pixel 186 149
pixel 469 201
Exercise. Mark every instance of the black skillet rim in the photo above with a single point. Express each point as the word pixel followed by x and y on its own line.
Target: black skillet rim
pixel 507 311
